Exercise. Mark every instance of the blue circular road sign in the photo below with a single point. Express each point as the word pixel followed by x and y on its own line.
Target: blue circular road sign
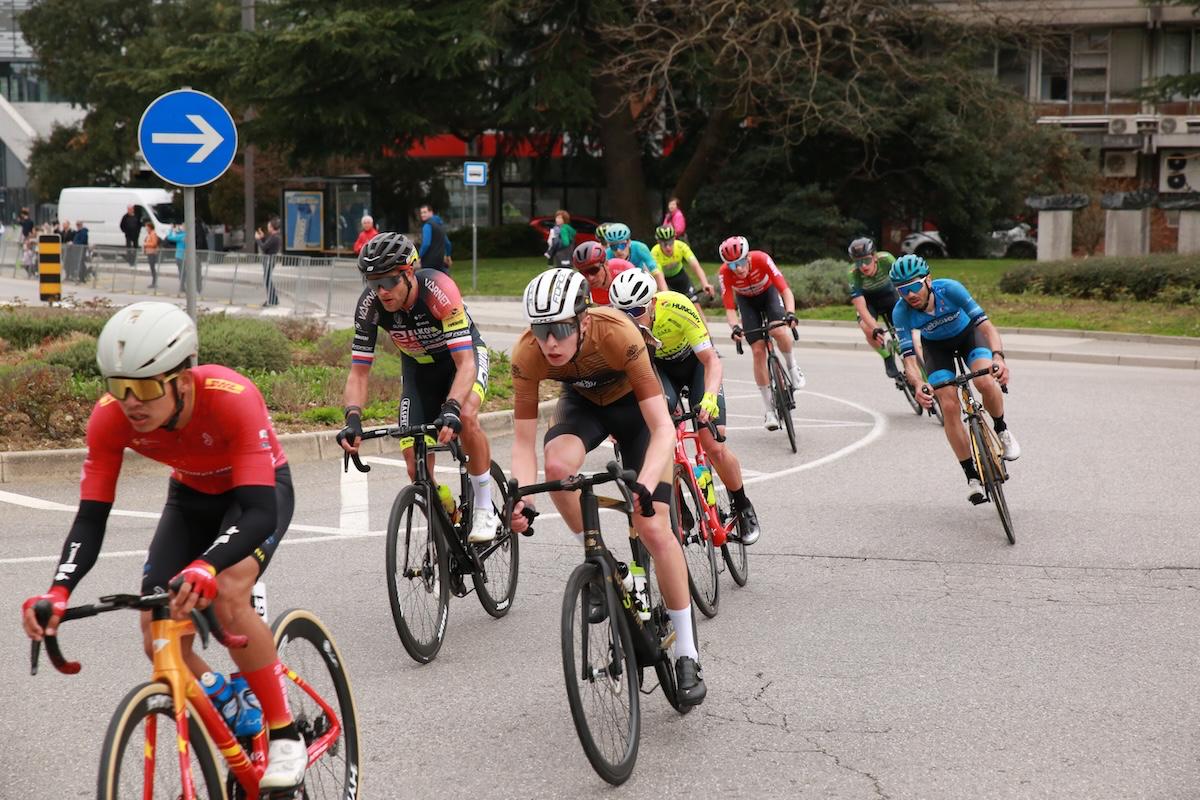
pixel 187 137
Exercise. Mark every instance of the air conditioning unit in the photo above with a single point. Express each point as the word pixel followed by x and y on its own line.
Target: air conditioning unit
pixel 1120 164
pixel 1120 126
pixel 1169 125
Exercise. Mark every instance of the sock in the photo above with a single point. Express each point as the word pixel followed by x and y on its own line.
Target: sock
pixel 482 486
pixel 268 686
pixel 999 424
pixel 789 358
pixel 768 402
pixel 738 496
pixel 968 467
pixel 578 537
pixel 685 644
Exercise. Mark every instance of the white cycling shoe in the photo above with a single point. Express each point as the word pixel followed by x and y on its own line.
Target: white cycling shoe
pixel 286 761
pixel 771 421
pixel 975 491
pixel 483 526
pixel 1012 450
pixel 798 379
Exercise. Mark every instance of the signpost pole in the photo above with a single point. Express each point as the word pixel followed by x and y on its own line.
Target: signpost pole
pixel 190 262
pixel 474 239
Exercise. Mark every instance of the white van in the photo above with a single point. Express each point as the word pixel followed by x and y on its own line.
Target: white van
pixel 101 208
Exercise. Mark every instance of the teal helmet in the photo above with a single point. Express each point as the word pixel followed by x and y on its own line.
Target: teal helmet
pixel 908 268
pixel 616 232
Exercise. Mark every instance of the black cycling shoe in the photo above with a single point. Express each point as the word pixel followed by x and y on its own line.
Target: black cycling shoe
pixel 597 604
pixel 749 529
pixel 689 682
pixel 889 366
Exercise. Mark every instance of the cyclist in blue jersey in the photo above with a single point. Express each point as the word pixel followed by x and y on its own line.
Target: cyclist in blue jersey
pixel 621 245
pixel 951 324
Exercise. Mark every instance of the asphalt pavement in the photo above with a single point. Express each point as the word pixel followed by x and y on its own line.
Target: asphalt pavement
pixel 889 644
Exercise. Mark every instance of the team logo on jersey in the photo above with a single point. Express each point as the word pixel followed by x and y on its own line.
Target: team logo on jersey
pixel 457 318
pixel 207 439
pixel 106 399
pixel 222 385
pixel 632 352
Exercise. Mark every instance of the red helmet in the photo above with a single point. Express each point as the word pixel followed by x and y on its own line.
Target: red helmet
pixel 735 248
pixel 588 254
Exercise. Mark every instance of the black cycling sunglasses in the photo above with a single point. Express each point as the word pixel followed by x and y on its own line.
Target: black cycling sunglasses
pixel 559 330
pixel 387 282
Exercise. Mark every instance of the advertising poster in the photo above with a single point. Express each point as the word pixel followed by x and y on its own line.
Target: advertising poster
pixel 303 221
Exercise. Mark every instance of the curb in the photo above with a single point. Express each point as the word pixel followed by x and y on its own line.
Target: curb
pixel 301 448
pixel 1111 359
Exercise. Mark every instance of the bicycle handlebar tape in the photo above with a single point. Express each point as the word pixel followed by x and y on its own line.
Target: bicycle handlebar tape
pixel 43 611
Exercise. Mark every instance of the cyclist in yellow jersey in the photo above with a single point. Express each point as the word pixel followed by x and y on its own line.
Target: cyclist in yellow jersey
pixel 671 255
pixel 684 356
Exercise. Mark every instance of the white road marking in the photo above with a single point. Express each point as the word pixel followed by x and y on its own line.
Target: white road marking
pixel 355 508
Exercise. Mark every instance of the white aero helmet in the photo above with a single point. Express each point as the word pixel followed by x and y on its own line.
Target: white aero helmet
pixel 632 288
pixel 555 295
pixel 145 339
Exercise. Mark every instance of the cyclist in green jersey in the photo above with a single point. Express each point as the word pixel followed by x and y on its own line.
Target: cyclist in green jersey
pixel 873 295
pixel 684 356
pixel 671 254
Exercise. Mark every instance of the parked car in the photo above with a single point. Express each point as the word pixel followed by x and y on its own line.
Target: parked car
pixel 585 227
pixel 926 244
pixel 1012 240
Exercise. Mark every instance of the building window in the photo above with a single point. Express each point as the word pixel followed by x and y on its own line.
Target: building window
pixel 1056 65
pixel 1089 67
pixel 20 83
pixel 1012 70
pixel 1126 62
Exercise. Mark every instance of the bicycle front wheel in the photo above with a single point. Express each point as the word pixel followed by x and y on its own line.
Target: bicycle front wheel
pixel 601 675
pixel 416 575
pixel 733 551
pixel 316 667
pixel 783 405
pixel 142 739
pixel 691 525
pixel 993 481
pixel 496 586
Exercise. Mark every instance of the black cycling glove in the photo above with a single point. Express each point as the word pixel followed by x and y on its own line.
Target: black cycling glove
pixel 450 415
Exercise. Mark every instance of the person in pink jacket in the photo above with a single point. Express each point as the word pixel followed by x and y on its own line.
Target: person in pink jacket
pixel 674 218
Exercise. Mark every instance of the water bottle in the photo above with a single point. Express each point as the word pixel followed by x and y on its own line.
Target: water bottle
pixel 641 597
pixel 704 482
pixel 448 503
pixel 227 697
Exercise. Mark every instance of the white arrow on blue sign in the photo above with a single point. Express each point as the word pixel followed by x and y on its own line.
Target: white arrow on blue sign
pixel 187 137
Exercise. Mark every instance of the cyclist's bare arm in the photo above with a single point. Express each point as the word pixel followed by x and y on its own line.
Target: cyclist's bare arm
pixel 355 393
pixel 992 335
pixel 913 373
pixel 699 270
pixel 712 370
pixel 731 317
pixel 866 320
pixel 660 280
pixel 789 300
pixel 524 464
pixel 464 375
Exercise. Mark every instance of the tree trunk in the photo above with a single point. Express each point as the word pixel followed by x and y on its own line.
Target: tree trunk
pixel 622 159
pixel 710 155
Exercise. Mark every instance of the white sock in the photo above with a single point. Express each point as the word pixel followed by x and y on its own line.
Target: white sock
pixel 685 644
pixel 578 537
pixel 482 487
pixel 768 401
pixel 789 358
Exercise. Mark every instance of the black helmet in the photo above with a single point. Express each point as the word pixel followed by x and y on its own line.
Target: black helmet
pixel 385 252
pixel 861 248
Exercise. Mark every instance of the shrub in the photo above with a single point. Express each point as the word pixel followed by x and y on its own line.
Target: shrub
pixel 333 349
pixel 300 329
pixel 1164 278
pixel 243 344
pixel 39 399
pixel 76 352
pixel 819 283
pixel 26 327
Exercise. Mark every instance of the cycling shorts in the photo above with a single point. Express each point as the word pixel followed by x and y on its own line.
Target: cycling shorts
pixel 757 310
pixel 622 419
pixel 687 372
pixel 680 282
pixel 971 345
pixel 426 387
pixel 881 303
pixel 191 521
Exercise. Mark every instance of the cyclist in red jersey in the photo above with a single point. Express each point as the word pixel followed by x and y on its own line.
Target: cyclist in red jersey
pixel 229 500
pixel 753 288
pixel 589 258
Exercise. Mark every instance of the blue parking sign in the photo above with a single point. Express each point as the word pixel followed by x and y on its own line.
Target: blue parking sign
pixel 187 137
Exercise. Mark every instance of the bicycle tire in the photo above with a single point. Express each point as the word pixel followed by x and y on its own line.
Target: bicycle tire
pixel 337 774
pixel 783 405
pixel 143 701
pixel 994 483
pixel 660 628
pixel 502 554
pixel 696 541
pixel 422 559
pixel 733 551
pixel 611 681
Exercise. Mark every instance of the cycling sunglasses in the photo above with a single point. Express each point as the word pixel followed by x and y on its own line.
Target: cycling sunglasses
pixel 144 389
pixel 635 312
pixel 559 330
pixel 387 282
pixel 620 245
pixel 741 263
pixel 911 286
pixel 862 262
pixel 590 272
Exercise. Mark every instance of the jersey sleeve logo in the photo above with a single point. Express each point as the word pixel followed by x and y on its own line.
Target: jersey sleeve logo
pixel 632 352
pixel 457 318
pixel 222 385
pixel 106 399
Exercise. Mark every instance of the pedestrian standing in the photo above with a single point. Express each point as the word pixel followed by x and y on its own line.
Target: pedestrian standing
pixel 131 227
pixel 674 217
pixel 435 245
pixel 81 244
pixel 369 232
pixel 269 244
pixel 562 240
pixel 151 248
pixel 26 224
pixel 179 239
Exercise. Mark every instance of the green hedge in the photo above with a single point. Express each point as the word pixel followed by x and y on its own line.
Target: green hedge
pixel 24 327
pixel 243 343
pixel 819 283
pixel 1174 279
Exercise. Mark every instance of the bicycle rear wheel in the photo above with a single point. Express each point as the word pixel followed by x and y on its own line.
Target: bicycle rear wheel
pixel 691 526
pixel 783 404
pixel 733 551
pixel 307 648
pixel 993 480
pixel 497 585
pixel 142 733
pixel 417 569
pixel 601 675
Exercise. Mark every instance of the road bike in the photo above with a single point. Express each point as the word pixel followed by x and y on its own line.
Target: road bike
pixel 892 343
pixel 609 636
pixel 782 391
pixel 193 731
pixel 986 450
pixel 703 517
pixel 428 555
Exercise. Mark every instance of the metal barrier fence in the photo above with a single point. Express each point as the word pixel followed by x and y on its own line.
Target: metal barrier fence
pixel 308 285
